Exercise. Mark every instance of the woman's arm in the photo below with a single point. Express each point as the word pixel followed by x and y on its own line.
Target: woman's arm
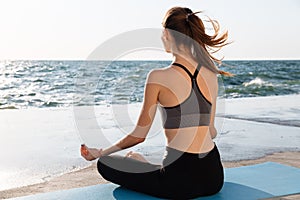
pixel 145 119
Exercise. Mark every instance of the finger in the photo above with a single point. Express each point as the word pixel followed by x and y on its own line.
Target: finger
pixel 84 151
pixel 129 153
pixel 83 146
pixel 84 156
pixel 81 152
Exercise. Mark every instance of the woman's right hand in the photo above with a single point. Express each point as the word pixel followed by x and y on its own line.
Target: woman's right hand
pixel 90 153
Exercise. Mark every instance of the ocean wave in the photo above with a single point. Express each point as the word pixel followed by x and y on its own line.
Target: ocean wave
pixel 23 82
pixel 257 81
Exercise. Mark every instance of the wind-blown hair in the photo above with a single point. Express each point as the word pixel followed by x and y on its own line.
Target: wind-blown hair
pixel 189 30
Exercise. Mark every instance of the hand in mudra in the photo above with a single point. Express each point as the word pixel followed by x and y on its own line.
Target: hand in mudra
pixel 90 153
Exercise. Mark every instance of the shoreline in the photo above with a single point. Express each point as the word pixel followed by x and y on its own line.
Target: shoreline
pixel 89 176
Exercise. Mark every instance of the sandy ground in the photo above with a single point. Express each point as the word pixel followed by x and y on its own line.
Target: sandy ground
pixel 89 176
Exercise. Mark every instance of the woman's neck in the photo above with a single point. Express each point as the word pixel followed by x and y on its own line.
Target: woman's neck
pixel 184 59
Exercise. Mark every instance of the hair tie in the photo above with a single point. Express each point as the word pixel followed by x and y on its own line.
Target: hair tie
pixel 189 14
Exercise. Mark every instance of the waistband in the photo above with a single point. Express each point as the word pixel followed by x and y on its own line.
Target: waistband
pixel 173 151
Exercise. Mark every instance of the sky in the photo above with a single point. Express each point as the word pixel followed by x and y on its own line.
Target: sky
pixel 72 29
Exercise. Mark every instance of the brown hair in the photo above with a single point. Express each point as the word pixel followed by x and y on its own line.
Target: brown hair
pixel 184 21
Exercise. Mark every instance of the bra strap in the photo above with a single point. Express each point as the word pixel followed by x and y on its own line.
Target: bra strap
pixel 197 71
pixel 185 69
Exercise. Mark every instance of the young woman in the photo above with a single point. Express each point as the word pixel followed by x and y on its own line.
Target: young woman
pixel 186 93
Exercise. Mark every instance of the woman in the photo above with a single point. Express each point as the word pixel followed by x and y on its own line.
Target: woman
pixel 186 93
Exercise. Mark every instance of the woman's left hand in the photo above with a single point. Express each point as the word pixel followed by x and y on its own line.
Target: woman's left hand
pixel 90 153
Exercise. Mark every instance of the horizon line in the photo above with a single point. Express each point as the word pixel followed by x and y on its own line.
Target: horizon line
pixel 229 59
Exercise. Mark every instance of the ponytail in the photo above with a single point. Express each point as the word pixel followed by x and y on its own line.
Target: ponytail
pixel 184 21
pixel 209 43
pixel 225 73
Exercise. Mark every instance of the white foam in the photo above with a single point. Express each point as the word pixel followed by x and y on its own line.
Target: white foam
pixel 256 81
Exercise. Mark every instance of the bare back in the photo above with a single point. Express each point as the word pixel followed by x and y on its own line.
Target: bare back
pixel 174 88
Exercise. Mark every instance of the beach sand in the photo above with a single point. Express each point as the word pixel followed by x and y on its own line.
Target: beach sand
pixel 89 176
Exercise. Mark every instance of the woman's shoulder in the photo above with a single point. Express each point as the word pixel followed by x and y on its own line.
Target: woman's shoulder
pixel 158 71
pixel 158 74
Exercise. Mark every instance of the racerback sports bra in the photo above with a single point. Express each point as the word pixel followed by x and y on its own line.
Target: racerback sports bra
pixel 194 111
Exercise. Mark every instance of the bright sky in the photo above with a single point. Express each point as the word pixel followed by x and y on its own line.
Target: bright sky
pixel 72 29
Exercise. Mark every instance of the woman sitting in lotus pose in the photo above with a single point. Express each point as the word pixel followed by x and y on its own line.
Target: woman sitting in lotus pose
pixel 186 93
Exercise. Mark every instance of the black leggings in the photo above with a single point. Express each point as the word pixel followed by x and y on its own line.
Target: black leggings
pixel 181 176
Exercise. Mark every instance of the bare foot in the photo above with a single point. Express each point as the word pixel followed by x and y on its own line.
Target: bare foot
pixel 136 156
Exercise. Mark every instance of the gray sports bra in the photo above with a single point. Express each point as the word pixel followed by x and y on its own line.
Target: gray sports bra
pixel 194 111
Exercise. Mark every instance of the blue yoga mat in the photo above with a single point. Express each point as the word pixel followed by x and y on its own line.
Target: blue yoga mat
pixel 242 183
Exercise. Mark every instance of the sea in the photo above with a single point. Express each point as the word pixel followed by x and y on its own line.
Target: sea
pixel 39 84
pixel 48 108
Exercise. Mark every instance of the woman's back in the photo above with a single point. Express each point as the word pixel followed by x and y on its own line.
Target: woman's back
pixel 187 132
